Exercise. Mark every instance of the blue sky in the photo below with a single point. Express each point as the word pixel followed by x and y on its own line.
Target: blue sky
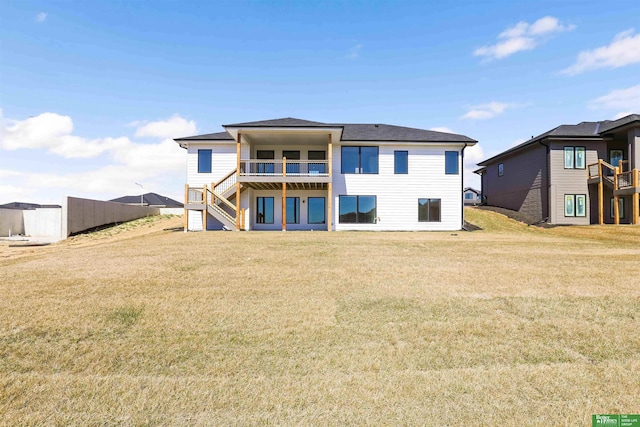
pixel 92 93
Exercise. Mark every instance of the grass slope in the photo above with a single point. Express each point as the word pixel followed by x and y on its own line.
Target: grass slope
pixel 512 325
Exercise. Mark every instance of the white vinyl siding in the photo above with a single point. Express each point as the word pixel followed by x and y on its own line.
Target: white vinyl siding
pixel 223 161
pixel 397 195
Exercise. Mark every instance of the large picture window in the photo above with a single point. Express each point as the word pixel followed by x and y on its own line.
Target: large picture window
pixel 451 164
pixel 316 210
pixel 357 209
pixel 429 210
pixel 575 205
pixel 400 162
pixel 360 160
pixel 204 161
pixel 293 210
pixel 575 158
pixel 264 210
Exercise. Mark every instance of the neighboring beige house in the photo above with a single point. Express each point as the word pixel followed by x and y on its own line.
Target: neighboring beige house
pixel 472 197
pixel 573 174
pixel 292 174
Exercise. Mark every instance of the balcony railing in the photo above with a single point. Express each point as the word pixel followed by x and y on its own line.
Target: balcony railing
pixel 284 167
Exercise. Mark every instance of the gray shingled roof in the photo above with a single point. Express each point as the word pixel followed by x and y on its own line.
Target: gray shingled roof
pixel 207 137
pixel 608 126
pixel 581 130
pixel 151 199
pixel 351 131
pixel 382 132
pixel 284 122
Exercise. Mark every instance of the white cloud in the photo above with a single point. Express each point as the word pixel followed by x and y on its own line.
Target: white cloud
pixel 41 17
pixel 159 166
pixel 522 36
pixel 354 52
pixel 625 101
pixel 174 127
pixel 52 132
pixel 518 142
pixel 487 111
pixel 623 50
pixel 443 129
pixel 472 155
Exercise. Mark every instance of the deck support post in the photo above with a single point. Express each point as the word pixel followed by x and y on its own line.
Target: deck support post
pixel 185 219
pixel 238 182
pixel 600 194
pixel 616 198
pixel 284 206
pixel 330 186
pixel 204 209
pixel 636 197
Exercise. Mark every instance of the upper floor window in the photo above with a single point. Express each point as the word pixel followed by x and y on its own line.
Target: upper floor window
pixel 500 169
pixel 204 161
pixel 451 166
pixel 319 167
pixel 360 160
pixel 400 162
pixel 575 157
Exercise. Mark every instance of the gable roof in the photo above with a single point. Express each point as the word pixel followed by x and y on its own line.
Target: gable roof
pixel 581 130
pixel 350 131
pixel 26 206
pixel 151 199
pixel 471 189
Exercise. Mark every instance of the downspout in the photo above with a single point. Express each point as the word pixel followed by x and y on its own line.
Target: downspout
pixel 548 165
pixel 462 184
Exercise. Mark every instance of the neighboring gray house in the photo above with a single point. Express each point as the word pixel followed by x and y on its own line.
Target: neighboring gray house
pixel 154 200
pixel 472 196
pixel 572 174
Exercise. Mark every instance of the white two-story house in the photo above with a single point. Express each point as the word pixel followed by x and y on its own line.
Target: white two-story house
pixel 292 174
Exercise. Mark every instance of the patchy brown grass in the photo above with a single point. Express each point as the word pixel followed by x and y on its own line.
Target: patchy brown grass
pixel 513 325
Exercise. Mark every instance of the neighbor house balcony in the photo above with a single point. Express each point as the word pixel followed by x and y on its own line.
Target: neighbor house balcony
pixel 297 174
pixel 622 180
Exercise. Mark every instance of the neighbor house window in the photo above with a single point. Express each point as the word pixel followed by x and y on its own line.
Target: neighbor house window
pixel 401 162
pixel 316 210
pixel 429 210
pixel 204 161
pixel 500 169
pixel 264 210
pixel 468 196
pixel 451 163
pixel 357 209
pixel 293 210
pixel 362 160
pixel 575 205
pixel 620 207
pixel 575 157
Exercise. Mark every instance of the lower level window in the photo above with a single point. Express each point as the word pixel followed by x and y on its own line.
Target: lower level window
pixel 264 210
pixel 317 211
pixel 429 210
pixel 575 205
pixel 357 209
pixel 293 210
pixel 620 207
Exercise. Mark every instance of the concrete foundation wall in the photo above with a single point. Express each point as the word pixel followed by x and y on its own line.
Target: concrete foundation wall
pixel 11 222
pixel 83 214
pixel 43 222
